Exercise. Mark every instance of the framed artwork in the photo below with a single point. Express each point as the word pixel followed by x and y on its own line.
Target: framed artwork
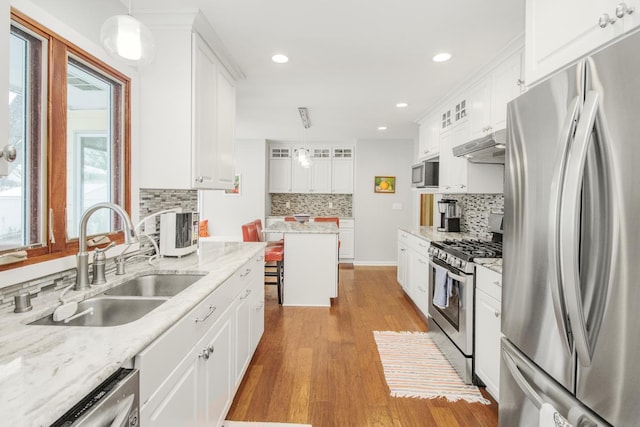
pixel 236 186
pixel 384 184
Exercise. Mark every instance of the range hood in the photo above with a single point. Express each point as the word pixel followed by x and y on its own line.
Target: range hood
pixel 488 149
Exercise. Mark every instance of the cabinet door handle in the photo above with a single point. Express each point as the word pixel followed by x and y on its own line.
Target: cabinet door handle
pixel 204 354
pixel 421 261
pixel 496 313
pixel 246 273
pixel 622 9
pixel 605 20
pixel 497 283
pixel 211 349
pixel 212 308
pixel 260 258
pixel 246 294
pixel 259 306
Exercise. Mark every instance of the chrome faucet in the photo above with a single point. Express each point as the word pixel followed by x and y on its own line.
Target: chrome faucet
pixel 82 279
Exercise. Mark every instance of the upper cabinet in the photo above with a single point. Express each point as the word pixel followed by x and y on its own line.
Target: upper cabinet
pixel 187 110
pixel 557 33
pixel 489 97
pixel 342 170
pixel 429 139
pixel 331 170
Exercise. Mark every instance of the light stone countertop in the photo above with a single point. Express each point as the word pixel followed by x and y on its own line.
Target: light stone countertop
pixel 494 264
pixel 45 370
pixel 302 228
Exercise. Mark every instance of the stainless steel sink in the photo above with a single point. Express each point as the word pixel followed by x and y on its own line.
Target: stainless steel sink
pixel 155 285
pixel 107 311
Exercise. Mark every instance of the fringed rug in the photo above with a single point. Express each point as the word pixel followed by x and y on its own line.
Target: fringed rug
pixel 415 367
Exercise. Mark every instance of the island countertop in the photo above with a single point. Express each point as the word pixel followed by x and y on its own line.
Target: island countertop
pixel 45 370
pixel 302 228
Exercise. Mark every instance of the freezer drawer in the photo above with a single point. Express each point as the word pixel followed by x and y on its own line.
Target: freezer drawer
pixel 524 388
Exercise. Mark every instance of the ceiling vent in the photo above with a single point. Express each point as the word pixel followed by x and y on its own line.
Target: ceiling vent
pixel 304 115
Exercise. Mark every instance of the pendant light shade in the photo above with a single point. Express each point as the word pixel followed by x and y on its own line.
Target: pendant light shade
pixel 127 39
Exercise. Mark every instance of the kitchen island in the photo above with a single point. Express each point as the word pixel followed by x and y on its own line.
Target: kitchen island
pixel 310 262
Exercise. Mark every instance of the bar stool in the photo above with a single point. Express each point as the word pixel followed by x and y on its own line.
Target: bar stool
pixel 258 223
pixel 271 254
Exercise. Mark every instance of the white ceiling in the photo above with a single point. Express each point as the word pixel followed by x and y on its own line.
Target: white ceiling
pixel 351 61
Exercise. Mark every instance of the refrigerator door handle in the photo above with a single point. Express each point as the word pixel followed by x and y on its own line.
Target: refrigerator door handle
pixel 557 294
pixel 570 208
pixel 520 379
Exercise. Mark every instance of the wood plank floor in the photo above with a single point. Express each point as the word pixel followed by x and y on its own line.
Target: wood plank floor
pixel 320 365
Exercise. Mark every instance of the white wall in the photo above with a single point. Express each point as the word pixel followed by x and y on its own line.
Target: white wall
pixel 226 213
pixel 376 220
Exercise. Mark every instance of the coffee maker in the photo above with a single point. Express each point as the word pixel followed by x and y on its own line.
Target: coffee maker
pixel 449 215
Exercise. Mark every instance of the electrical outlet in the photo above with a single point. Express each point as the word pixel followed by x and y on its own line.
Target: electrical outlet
pixel 330 205
pixel 288 205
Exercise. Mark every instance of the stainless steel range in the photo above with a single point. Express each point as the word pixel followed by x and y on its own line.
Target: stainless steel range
pixel 451 295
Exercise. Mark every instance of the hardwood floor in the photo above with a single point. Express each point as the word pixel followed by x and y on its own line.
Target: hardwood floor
pixel 320 365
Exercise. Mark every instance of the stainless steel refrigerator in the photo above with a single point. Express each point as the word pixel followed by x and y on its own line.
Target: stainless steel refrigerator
pixel 571 261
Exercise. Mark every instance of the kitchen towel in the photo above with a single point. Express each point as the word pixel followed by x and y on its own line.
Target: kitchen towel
pixel 441 291
pixel 549 417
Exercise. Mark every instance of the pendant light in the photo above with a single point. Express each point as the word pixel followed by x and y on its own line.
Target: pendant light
pixel 127 39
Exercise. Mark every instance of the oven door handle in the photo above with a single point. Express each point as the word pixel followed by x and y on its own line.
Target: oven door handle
pixel 461 279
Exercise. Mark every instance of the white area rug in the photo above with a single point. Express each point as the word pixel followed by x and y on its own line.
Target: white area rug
pixel 415 367
pixel 259 424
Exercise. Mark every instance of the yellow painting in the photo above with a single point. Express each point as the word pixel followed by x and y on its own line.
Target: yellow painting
pixel 385 184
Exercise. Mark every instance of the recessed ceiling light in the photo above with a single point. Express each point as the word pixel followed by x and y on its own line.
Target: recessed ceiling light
pixel 402 104
pixel 442 57
pixel 382 128
pixel 280 59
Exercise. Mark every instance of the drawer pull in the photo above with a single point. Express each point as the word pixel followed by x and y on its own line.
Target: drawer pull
pixel 497 283
pixel 246 273
pixel 212 308
pixel 246 294
pixel 204 354
pixel 496 313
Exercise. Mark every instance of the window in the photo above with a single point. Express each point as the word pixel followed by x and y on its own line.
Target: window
pixel 70 156
pixel 21 222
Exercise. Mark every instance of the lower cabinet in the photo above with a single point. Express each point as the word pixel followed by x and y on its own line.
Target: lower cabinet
pixel 488 317
pixel 194 384
pixel 413 268
pixel 347 242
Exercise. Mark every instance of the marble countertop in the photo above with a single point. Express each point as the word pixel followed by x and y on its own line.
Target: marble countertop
pixel 494 264
pixel 44 370
pixel 306 227
pixel 432 234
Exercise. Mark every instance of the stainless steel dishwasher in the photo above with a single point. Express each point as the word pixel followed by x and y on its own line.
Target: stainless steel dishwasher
pixel 113 403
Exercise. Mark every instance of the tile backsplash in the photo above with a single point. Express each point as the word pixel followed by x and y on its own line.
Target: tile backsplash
pixel 156 200
pixel 314 204
pixel 475 211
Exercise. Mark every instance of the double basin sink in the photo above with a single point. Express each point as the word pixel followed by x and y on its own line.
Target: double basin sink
pixel 127 302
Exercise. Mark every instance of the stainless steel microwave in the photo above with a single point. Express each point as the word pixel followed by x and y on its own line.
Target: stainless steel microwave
pixel 425 174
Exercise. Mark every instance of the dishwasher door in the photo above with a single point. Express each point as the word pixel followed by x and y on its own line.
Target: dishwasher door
pixel 114 403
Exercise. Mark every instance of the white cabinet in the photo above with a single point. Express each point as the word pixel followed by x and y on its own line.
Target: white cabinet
pixel 347 243
pixel 413 268
pixel 557 33
pixel 458 175
pixel 419 279
pixel 429 137
pixel 489 97
pixel 214 374
pixel 280 169
pixel 317 177
pixel 188 376
pixel 403 259
pixel 488 316
pixel 331 170
pixel 187 114
pixel 342 170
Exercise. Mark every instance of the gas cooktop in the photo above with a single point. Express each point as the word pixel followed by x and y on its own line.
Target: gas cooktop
pixel 468 250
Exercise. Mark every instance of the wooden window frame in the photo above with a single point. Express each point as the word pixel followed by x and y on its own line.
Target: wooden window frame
pixel 56 142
